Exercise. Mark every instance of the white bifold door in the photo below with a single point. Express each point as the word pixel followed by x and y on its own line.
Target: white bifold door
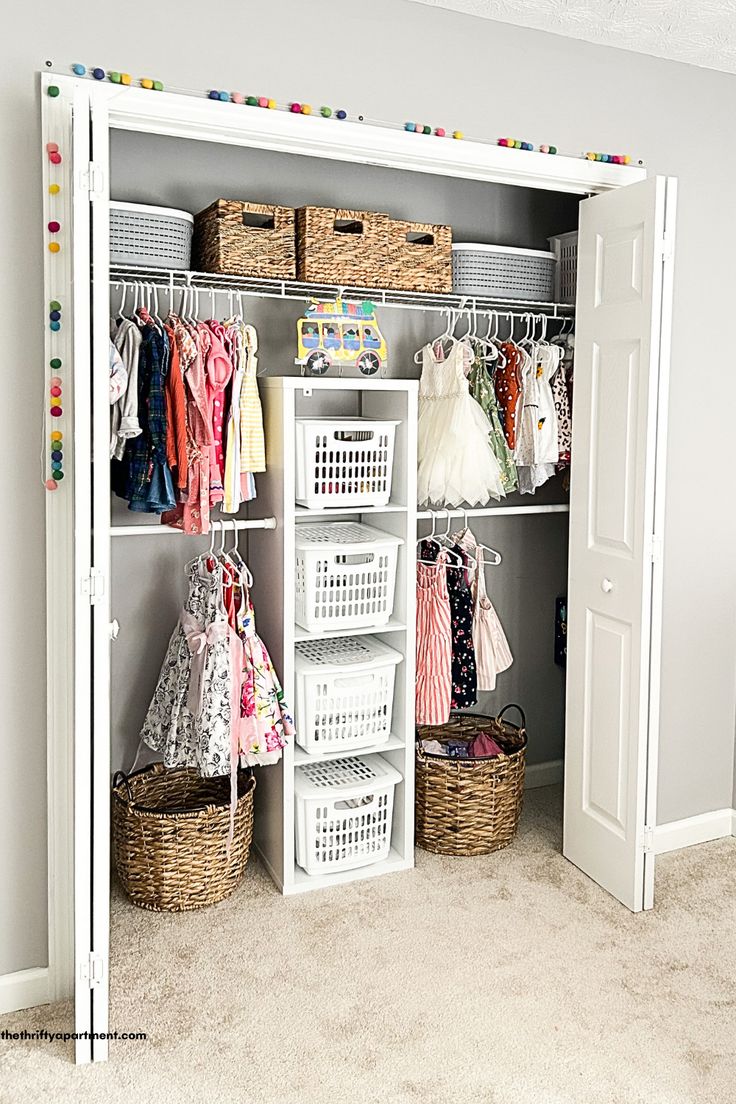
pixel 616 514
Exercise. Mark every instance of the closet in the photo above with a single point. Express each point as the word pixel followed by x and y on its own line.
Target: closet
pixel 115 580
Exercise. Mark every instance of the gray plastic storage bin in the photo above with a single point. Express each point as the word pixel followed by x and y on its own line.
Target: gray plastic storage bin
pixel 496 271
pixel 152 237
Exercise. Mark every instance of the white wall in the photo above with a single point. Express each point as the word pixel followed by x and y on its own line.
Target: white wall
pixel 392 60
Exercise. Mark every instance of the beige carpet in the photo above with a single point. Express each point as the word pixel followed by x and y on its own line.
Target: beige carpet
pixel 510 979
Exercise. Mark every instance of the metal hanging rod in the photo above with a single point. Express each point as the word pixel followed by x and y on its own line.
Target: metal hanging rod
pixel 180 280
pixel 163 530
pixel 493 511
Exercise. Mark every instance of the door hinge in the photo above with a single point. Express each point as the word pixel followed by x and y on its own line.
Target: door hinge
pixel 648 840
pixel 93 969
pixel 93 585
pixel 655 549
pixel 667 247
pixel 92 181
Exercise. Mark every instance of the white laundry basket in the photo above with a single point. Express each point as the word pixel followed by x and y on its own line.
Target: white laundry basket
pixel 344 810
pixel 345 575
pixel 565 248
pixel 344 693
pixel 344 461
pixel 155 237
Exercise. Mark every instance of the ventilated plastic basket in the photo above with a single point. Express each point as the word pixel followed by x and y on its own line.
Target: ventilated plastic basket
pixel 345 575
pixel 160 237
pixel 344 693
pixel 344 809
pixel 565 248
pixel 495 271
pixel 344 461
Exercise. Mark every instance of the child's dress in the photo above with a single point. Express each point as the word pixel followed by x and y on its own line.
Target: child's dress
pixel 456 463
pixel 434 644
pixel 265 722
pixel 189 718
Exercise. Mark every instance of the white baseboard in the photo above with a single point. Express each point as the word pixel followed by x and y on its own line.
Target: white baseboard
pixel 544 774
pixel 696 829
pixel 24 988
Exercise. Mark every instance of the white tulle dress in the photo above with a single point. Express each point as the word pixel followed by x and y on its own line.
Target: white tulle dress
pixel 456 463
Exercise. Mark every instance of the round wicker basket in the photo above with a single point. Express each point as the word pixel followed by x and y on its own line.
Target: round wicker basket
pixel 170 831
pixel 470 806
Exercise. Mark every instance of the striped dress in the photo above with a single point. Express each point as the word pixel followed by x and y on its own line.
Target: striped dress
pixel 434 644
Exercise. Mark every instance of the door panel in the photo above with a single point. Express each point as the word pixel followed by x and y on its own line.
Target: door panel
pixel 619 374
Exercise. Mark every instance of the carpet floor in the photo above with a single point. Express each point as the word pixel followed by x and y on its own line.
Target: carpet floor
pixel 510 979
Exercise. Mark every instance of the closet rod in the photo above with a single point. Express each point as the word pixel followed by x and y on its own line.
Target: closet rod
pixel 163 530
pixel 493 511
pixel 169 280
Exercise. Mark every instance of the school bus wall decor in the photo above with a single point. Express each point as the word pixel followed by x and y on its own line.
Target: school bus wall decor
pixel 340 333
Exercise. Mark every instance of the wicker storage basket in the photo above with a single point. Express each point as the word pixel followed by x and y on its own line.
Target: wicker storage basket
pixel 341 247
pixel 419 257
pixel 470 806
pixel 245 239
pixel 169 832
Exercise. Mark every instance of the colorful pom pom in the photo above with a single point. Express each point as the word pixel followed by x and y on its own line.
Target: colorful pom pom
pixel 325 112
pixel 440 132
pixel 146 82
pixel 295 108
pixel 78 70
pixel 98 74
pixel 341 114
pixel 237 97
pixel 458 134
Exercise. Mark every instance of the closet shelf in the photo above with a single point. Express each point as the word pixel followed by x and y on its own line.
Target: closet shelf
pixel 294 289
pixel 303 882
pixel 301 756
pixel 340 511
pixel 493 511
pixel 392 625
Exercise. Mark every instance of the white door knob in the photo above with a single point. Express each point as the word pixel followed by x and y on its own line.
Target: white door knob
pixel 114 629
pixel 606 586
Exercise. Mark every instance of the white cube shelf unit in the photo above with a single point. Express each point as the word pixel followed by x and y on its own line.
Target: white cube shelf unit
pixel 273 560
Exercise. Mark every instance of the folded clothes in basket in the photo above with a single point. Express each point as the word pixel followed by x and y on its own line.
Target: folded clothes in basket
pixel 481 746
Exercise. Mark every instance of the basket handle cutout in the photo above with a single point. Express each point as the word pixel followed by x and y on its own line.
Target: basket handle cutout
pixel 353 434
pixel 258 221
pixel 513 705
pixel 419 237
pixel 348 226
pixel 355 802
pixel 357 558
pixel 357 680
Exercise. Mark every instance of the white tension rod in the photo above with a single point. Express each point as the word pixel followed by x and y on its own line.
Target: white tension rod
pixel 163 530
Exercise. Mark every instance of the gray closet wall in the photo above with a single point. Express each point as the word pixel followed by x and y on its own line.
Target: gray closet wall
pixel 148 578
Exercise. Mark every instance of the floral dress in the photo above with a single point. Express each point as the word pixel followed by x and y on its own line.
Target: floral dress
pixel 464 679
pixel 482 389
pixel 189 719
pixel 265 722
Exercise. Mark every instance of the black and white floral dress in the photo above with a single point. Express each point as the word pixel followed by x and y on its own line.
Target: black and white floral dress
pixel 188 720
